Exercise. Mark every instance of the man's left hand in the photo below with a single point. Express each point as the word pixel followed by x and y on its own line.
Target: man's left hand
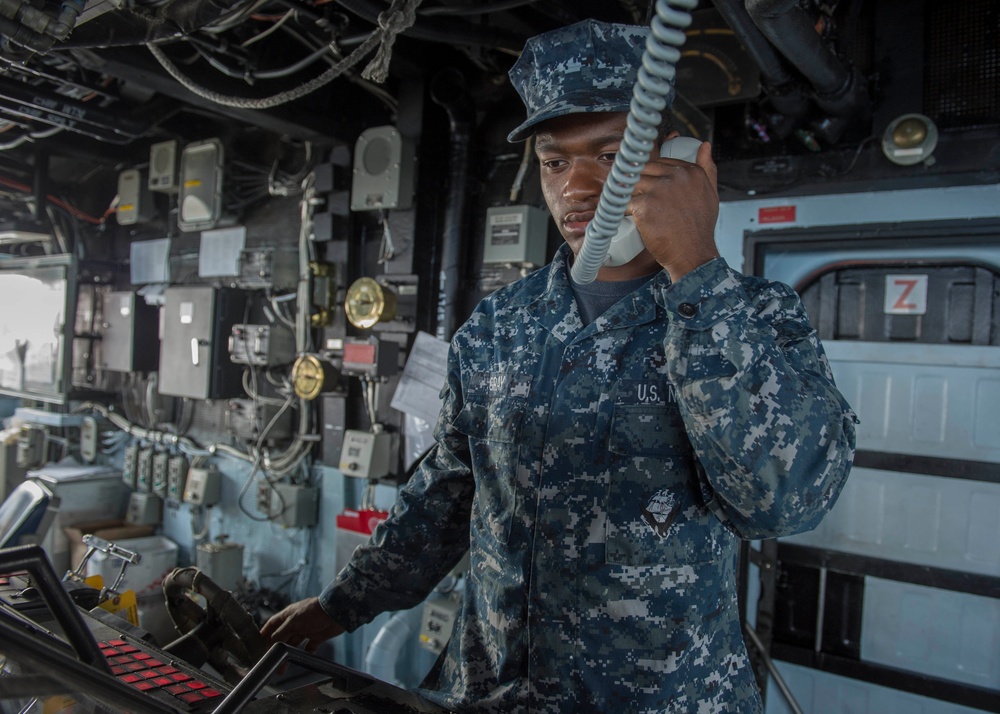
pixel 675 206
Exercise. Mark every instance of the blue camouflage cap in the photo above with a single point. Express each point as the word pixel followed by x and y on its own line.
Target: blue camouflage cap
pixel 589 66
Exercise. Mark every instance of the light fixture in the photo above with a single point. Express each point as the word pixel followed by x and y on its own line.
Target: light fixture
pixel 909 139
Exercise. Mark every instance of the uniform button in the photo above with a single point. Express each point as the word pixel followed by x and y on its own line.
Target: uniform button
pixel 687 310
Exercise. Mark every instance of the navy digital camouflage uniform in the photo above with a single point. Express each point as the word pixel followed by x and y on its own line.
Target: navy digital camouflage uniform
pixel 601 477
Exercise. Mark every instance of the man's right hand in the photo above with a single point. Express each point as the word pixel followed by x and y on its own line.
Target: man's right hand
pixel 301 624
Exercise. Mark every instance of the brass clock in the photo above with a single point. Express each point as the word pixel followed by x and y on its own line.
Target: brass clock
pixel 311 376
pixel 368 302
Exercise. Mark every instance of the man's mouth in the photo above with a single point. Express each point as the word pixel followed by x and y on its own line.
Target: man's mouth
pixel 577 222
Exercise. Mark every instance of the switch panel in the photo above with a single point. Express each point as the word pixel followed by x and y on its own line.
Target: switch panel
pixel 130 465
pixel 177 471
pixel 268 269
pixel 161 468
pixel 144 471
pixel 204 487
pixel 365 455
pixel 261 345
pixel 437 623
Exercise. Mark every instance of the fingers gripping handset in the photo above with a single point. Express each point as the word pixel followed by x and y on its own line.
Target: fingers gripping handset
pixel 627 243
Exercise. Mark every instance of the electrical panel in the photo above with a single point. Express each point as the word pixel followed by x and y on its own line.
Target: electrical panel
pixel 384 169
pixel 130 334
pixel 201 186
pixel 134 202
pixel 365 454
pixel 516 235
pixel 268 269
pixel 293 505
pixel 222 562
pixel 163 174
pixel 144 509
pixel 245 422
pixel 194 358
pixel 261 345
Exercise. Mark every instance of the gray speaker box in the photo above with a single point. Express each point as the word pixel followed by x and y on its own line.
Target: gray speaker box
pixel 384 170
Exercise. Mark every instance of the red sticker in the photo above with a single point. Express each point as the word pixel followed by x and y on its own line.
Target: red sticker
pixel 776 214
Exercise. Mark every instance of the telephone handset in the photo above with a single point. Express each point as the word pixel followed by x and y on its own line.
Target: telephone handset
pixel 627 243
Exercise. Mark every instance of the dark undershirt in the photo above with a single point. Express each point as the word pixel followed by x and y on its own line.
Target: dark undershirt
pixel 595 298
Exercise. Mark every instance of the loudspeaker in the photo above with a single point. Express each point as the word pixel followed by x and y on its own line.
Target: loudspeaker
pixel 909 139
pixel 383 170
pixel 163 167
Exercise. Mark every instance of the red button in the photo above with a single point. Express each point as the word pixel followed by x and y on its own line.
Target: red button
pixel 197 684
pixel 116 643
pixel 162 681
pixel 192 697
pixel 111 652
pixel 210 693
pixel 117 670
pixel 142 655
pixel 152 662
pixel 178 689
pixel 148 674
pixel 134 666
pixel 130 678
pixel 181 677
pixel 167 670
pixel 120 659
pixel 128 648
pixel 144 686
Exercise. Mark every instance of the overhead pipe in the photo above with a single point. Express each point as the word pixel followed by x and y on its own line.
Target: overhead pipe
pixel 840 90
pixel 783 89
pixel 449 92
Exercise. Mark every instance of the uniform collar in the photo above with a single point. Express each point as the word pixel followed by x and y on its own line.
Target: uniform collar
pixel 555 309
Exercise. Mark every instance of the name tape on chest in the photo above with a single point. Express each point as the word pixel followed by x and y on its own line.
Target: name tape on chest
pixel 637 391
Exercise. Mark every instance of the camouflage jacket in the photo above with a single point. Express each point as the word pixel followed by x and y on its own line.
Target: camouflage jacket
pixel 602 477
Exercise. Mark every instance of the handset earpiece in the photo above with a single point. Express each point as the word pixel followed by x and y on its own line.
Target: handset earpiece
pixel 627 242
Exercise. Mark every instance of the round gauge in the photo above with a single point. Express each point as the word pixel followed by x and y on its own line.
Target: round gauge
pixel 309 377
pixel 368 302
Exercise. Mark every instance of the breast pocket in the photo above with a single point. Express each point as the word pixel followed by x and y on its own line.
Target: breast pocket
pixel 655 515
pixel 494 431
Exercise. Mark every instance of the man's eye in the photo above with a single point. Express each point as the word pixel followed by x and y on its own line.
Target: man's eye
pixel 608 155
pixel 552 163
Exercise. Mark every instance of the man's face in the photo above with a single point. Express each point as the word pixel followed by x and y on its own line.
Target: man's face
pixel 576 152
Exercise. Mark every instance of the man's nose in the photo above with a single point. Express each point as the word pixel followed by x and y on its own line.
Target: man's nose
pixel 583 181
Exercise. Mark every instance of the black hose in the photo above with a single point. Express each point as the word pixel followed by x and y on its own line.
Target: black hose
pixel 449 92
pixel 782 88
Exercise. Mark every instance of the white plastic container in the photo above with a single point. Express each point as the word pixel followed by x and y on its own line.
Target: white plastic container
pixel 159 557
